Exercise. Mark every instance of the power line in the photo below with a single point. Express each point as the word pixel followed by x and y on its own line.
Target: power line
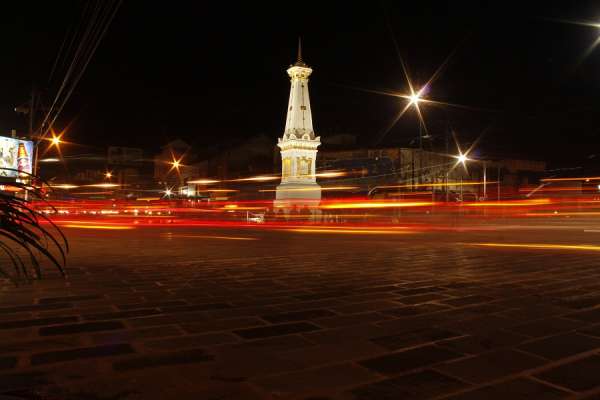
pixel 99 21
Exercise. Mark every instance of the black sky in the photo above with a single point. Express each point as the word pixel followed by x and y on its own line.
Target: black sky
pixel 214 72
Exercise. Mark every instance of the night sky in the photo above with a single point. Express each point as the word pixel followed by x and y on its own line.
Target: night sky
pixel 213 73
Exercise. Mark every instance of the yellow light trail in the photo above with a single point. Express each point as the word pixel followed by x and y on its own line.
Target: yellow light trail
pixel 105 227
pixel 169 235
pixel 437 184
pixel 520 203
pixel 257 179
pixel 64 186
pixel 103 185
pixel 330 174
pixel 349 231
pixel 339 206
pixel 584 178
pixel 563 214
pixel 539 246
pixel 311 189
pixel 204 181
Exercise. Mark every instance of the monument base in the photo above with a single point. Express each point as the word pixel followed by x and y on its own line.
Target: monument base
pixel 298 198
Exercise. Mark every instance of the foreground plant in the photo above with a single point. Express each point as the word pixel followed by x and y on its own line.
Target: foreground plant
pixel 27 236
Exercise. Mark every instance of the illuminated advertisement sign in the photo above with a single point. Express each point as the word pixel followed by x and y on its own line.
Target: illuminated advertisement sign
pixel 15 157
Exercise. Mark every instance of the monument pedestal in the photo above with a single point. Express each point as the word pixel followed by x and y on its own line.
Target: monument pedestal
pixel 298 198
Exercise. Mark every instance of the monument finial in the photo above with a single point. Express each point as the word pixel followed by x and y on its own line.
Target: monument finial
pixel 299 61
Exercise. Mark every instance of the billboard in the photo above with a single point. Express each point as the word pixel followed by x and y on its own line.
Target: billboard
pixel 16 157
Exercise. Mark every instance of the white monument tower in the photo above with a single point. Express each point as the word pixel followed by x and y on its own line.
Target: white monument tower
pixel 299 143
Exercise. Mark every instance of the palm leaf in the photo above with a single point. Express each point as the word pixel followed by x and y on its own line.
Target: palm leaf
pixel 22 231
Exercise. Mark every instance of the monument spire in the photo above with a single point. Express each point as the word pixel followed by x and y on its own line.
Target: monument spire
pixel 299 116
pixel 299 61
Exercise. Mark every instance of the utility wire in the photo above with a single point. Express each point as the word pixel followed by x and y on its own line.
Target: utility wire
pixel 102 32
pixel 100 19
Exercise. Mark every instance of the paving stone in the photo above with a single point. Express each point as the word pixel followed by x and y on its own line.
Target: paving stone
pixel 130 335
pixel 22 380
pixel 35 307
pixel 25 323
pixel 561 346
pixel 228 313
pixel 474 324
pixel 163 359
pixel 222 324
pixel 582 302
pixel 81 353
pixel 81 328
pixel 423 298
pixel 588 316
pixel 518 389
pixel 420 385
pixel 195 307
pixel 329 377
pixel 320 354
pixel 351 319
pixel 414 310
pixel 154 304
pixel 29 345
pixel 296 305
pixel 422 290
pixel 298 315
pixel 66 299
pixel 345 334
pixel 182 342
pixel 275 330
pixel 410 359
pixel 413 338
pixel 323 295
pixel 274 343
pixel 365 306
pixel 490 366
pixel 122 314
pixel 467 300
pixel 580 375
pixel 484 342
pixel 546 327
pixel 152 321
pixel 8 362
pixel 377 289
pixel 593 330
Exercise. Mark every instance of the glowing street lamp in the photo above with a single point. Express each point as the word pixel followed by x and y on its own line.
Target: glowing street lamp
pixel 414 98
pixel 108 175
pixel 462 159
pixel 55 140
pixel 168 192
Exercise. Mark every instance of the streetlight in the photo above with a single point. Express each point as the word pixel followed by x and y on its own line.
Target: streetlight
pixel 108 175
pixel 414 99
pixel 462 159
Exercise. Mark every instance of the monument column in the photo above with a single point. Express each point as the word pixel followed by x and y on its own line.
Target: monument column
pixel 299 144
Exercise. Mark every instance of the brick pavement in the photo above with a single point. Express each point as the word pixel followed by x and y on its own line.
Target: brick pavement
pixel 357 318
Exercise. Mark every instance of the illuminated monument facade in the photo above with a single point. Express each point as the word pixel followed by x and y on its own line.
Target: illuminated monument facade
pixel 299 143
